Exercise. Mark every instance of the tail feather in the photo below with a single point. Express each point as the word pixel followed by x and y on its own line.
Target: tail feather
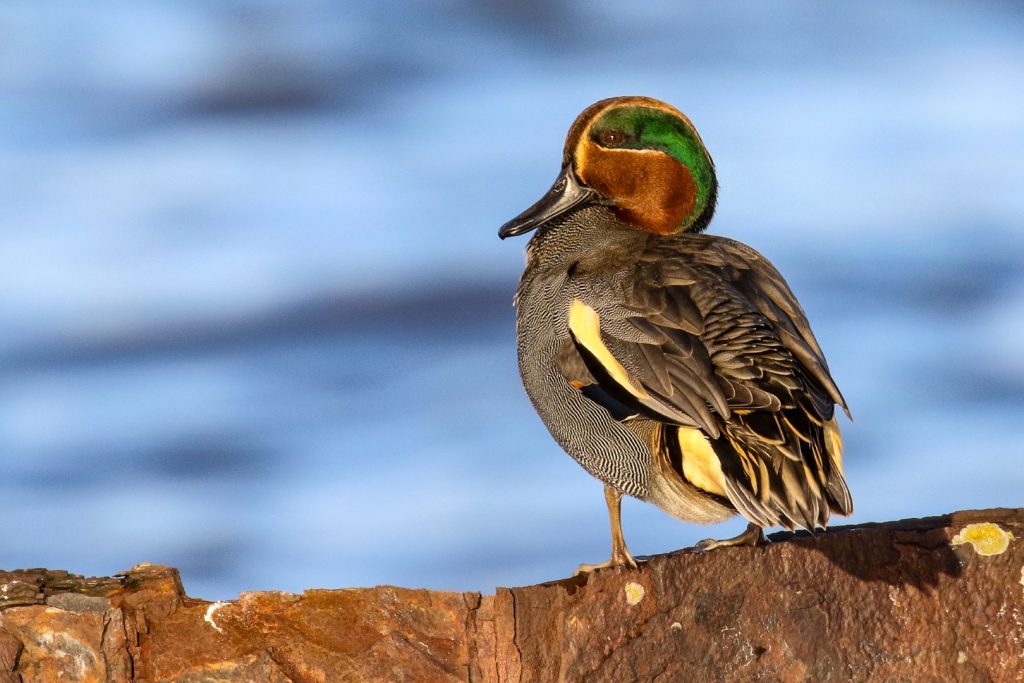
pixel 791 476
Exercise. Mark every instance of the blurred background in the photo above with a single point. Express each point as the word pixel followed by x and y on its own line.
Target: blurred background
pixel 256 323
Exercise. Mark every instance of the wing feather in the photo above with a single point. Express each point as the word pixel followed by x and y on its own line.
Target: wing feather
pixel 704 333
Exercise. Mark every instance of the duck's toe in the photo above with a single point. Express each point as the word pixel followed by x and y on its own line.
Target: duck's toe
pixel 753 536
pixel 618 559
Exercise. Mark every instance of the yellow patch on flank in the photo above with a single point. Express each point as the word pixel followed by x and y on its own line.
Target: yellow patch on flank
pixel 987 538
pixel 701 466
pixel 585 324
pixel 634 593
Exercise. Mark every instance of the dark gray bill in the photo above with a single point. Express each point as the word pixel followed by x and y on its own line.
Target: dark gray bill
pixel 564 195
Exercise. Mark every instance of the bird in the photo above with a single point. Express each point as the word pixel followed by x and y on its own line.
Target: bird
pixel 674 366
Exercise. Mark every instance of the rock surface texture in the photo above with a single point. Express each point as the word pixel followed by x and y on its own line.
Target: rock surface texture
pixel 938 599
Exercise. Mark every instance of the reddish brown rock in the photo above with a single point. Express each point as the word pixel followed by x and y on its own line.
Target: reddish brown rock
pixel 937 599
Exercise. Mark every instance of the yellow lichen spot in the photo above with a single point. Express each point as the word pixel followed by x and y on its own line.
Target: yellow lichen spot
pixel 961 658
pixel 986 537
pixel 676 626
pixel 634 593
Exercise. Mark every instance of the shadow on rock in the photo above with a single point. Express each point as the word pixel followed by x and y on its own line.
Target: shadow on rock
pixel 915 552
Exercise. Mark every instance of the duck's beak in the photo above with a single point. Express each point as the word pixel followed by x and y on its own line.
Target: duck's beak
pixel 567 193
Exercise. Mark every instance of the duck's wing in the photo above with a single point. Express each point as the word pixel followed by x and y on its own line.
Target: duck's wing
pixel 705 337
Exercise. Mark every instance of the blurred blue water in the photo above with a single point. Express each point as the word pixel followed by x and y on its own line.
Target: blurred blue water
pixel 256 322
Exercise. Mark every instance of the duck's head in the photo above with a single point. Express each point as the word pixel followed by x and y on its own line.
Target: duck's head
pixel 640 158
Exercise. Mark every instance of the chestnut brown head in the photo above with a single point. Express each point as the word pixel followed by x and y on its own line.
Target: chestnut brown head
pixel 640 157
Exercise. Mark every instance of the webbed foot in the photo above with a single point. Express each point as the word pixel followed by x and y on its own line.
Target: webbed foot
pixel 753 536
pixel 621 557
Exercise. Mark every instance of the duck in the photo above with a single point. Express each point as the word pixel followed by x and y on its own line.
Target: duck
pixel 674 366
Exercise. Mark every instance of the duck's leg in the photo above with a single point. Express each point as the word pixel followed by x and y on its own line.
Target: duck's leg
pixel 754 535
pixel 620 553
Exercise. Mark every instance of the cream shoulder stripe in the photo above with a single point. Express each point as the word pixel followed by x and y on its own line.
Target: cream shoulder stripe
pixel 585 324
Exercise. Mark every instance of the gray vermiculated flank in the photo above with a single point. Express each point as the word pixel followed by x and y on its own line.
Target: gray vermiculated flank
pixel 603 446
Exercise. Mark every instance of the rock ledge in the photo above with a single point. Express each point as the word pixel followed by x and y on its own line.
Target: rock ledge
pixel 936 599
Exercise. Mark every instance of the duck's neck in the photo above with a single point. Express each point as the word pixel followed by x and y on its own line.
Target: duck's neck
pixel 584 239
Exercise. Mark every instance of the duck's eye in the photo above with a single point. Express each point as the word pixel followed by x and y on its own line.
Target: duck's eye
pixel 611 138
